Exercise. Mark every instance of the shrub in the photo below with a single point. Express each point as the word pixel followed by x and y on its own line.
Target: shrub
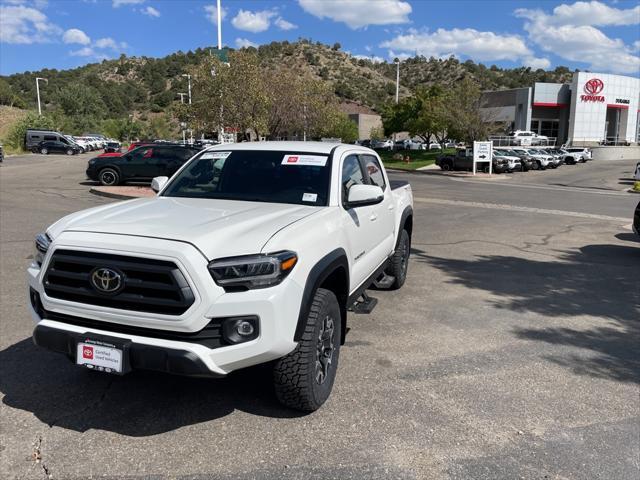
pixel 16 136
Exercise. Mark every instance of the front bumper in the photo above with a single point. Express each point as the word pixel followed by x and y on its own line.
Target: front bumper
pixel 276 308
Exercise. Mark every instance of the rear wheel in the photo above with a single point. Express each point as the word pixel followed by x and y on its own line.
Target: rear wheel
pixel 109 177
pixel 446 166
pixel 304 378
pixel 44 151
pixel 399 262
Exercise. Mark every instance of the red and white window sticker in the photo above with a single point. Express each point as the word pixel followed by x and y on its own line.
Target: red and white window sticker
pixel 311 160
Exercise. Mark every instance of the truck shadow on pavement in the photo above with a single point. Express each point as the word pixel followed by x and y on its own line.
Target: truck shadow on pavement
pixel 138 404
pixel 601 281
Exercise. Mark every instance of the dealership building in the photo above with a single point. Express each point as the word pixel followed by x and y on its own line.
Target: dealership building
pixel 593 108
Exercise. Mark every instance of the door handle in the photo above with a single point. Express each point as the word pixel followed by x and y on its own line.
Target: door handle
pixel 373 217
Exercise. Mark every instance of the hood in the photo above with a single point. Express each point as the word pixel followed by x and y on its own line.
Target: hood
pixel 218 228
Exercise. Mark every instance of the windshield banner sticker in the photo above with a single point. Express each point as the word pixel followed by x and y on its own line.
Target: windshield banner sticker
pixel 312 160
pixel 215 155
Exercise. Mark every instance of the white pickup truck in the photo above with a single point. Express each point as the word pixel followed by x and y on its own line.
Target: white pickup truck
pixel 250 253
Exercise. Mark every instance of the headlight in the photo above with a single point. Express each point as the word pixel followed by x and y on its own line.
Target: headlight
pixel 253 271
pixel 42 243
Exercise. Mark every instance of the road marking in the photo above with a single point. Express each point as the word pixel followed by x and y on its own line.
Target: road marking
pixel 517 208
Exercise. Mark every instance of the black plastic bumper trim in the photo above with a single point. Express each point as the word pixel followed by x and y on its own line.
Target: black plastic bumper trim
pixel 141 357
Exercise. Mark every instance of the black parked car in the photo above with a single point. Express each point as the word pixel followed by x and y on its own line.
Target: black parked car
pixel 140 164
pixel 56 146
pixel 636 220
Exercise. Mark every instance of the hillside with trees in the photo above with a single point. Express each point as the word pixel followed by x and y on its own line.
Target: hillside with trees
pixel 140 94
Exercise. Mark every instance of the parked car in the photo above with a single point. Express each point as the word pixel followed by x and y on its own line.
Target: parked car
pixel 567 157
pixel 140 164
pixel 112 147
pixel 514 162
pixel 435 146
pixel 408 144
pixel 1 153
pixel 463 160
pixel 527 137
pixel 556 160
pixel 228 267
pixel 636 220
pixel 585 153
pixel 33 139
pixel 57 146
pixel 383 144
pixel 544 160
pixel 637 175
pixel 526 160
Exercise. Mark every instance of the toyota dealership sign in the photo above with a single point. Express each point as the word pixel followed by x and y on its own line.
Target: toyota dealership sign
pixel 592 89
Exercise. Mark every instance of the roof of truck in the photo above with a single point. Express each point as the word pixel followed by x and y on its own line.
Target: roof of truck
pixel 315 147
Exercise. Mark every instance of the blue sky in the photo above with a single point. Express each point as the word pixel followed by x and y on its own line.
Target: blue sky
pixel 598 36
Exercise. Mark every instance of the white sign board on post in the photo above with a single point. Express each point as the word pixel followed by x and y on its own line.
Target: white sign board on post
pixel 482 153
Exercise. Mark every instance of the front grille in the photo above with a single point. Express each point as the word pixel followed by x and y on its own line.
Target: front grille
pixel 154 286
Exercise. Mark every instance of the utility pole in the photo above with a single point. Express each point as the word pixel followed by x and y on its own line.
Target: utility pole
pixel 38 92
pixel 219 26
pixel 304 135
pixel 189 80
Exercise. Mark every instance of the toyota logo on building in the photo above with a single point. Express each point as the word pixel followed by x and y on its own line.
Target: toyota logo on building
pixel 107 280
pixel 593 86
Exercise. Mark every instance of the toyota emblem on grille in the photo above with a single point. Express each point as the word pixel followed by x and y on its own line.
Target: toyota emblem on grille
pixel 107 280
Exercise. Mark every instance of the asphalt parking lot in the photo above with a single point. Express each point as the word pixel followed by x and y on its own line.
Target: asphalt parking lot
pixel 511 352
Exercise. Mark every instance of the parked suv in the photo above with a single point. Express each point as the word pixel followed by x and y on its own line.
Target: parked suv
pixel 56 146
pixel 140 164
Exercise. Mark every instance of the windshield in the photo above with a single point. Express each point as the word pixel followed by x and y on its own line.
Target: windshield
pixel 255 176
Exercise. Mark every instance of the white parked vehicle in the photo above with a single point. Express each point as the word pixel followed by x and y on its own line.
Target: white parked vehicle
pixel 585 153
pixel 637 175
pixel 544 160
pixel 527 137
pixel 383 144
pixel 251 253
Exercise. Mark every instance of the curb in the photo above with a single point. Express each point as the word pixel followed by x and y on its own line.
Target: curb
pixel 118 196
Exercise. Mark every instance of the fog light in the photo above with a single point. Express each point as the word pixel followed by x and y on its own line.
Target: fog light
pixel 244 328
pixel 240 329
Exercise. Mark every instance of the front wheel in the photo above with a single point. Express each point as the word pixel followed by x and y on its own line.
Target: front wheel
pixel 69 151
pixel 304 378
pixel 109 177
pixel 446 166
pixel 44 151
pixel 399 262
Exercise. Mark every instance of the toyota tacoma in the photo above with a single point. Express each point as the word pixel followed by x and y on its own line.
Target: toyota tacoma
pixel 251 253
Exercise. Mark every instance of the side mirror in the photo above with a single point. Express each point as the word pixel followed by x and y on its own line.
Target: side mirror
pixel 362 195
pixel 158 183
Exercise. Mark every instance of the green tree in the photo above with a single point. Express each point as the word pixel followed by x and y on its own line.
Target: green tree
pixel 16 136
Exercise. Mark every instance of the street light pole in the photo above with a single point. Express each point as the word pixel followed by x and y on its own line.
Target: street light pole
pixel 38 92
pixel 219 27
pixel 189 80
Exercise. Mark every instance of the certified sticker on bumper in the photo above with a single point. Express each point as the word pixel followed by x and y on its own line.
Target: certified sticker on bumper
pixel 98 356
pixel 310 160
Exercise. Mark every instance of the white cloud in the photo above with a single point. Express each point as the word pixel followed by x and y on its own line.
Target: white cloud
pixel 467 42
pixel 282 24
pixel 359 13
pixel 592 13
pixel 20 24
pixel 150 11
pixel 536 63
pixel 117 3
pixel 570 38
pixel 74 35
pixel 245 43
pixel 109 42
pixel 253 21
pixel 371 58
pixel 211 12
pixel 83 52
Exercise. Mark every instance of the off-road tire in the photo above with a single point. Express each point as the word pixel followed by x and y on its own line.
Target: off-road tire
pixel 295 375
pixel 399 262
pixel 109 177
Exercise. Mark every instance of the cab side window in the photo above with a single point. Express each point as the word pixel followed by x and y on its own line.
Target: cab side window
pixel 374 171
pixel 351 174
